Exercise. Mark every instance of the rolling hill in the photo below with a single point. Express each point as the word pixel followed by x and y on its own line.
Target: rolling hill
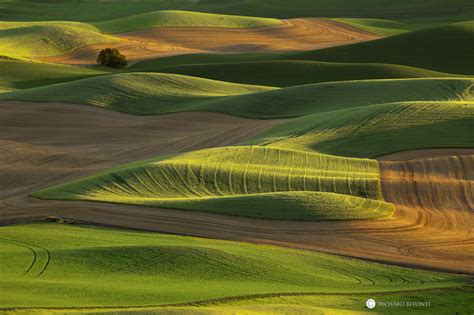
pixel 84 266
pixel 303 304
pixel 225 37
pixel 147 93
pixel 26 40
pixel 388 27
pixel 106 10
pixel 448 49
pixel 284 73
pixel 331 96
pixel 375 130
pixel 256 181
pixel 137 93
pixel 182 19
pixel 311 128
pixel 18 74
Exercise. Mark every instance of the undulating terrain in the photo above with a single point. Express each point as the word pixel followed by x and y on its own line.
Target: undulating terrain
pixel 252 157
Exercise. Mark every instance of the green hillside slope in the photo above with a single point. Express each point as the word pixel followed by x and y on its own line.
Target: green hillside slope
pixel 86 266
pixel 290 72
pixel 254 181
pixel 182 19
pixel 145 93
pixel 136 93
pixel 25 40
pixel 387 27
pixel 25 74
pixel 106 10
pixel 375 130
pixel 324 97
pixel 442 301
pixel 447 49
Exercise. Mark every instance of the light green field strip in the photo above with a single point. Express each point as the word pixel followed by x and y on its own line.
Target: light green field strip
pixel 4 89
pixel 284 73
pixel 324 97
pixel 165 18
pixel 376 130
pixel 30 39
pixel 137 93
pixel 147 93
pixel 94 267
pixel 442 301
pixel 5 25
pixel 252 181
pixel 182 19
pixel 28 74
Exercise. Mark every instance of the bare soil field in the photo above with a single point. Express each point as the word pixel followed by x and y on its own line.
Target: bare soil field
pixel 444 183
pixel 425 153
pixel 292 35
pixel 44 144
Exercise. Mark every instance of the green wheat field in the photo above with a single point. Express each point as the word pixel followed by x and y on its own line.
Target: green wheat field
pixel 391 76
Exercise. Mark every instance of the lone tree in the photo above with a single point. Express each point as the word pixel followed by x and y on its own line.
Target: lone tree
pixel 111 57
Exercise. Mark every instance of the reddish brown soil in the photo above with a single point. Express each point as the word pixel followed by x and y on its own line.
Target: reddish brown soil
pixel 425 153
pixel 292 35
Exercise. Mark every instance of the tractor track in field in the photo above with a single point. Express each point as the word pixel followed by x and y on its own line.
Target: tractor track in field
pixel 24 246
pixel 291 35
pixel 35 253
pixel 45 144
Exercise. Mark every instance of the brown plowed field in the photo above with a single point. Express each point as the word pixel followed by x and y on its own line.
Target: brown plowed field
pixel 44 144
pixel 133 49
pixel 425 153
pixel 292 35
pixel 445 184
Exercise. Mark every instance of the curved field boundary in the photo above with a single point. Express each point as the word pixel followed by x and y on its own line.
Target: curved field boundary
pixel 291 35
pixel 252 181
pixel 230 299
pixel 425 153
pixel 176 18
pixel 44 143
pixel 370 131
pixel 411 237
